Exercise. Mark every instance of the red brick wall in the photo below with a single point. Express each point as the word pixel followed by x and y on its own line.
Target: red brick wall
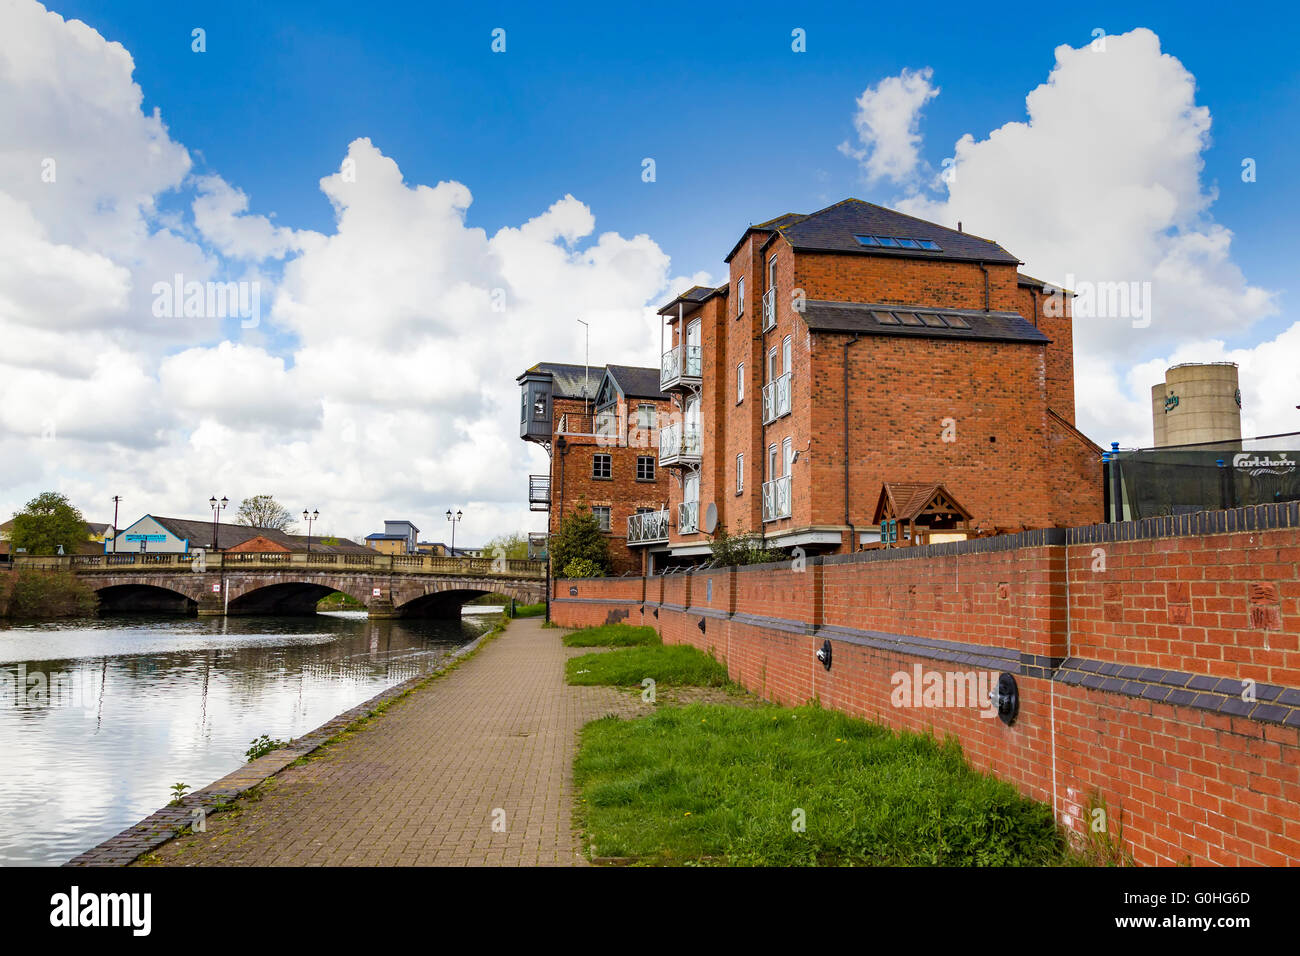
pixel 1192 785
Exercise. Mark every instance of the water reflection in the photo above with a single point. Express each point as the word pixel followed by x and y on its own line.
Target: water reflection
pixel 98 718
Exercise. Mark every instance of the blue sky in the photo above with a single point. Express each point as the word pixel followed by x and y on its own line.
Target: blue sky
pixel 380 381
pixel 740 127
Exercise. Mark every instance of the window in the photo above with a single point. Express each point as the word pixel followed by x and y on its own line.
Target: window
pixel 771 273
pixel 645 416
pixel 772 371
pixel 539 408
pixel 740 383
pixel 523 406
pixel 740 474
pixel 740 297
pixel 771 463
pixel 785 354
pixel 601 514
pixel 601 466
pixel 645 468
pixel 787 452
pixel 896 242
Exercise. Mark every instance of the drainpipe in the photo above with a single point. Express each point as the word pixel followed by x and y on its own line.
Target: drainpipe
pixel 986 284
pixel 853 532
pixel 1033 294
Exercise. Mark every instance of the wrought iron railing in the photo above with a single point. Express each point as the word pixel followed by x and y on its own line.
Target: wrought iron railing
pixel 647 527
pixel 681 364
pixel 769 309
pixel 776 498
pixel 679 442
pixel 688 517
pixel 776 399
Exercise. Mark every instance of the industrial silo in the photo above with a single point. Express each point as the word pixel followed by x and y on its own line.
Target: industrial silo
pixel 1198 402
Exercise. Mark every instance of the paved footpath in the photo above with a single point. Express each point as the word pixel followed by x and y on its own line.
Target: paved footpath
pixel 420 785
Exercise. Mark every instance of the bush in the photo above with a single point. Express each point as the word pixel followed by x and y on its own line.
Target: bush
pixel 734 549
pixel 583 568
pixel 41 594
pixel 580 538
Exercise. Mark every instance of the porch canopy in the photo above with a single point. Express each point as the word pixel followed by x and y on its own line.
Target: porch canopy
pixel 919 508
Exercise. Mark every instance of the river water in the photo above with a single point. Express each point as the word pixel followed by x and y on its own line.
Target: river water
pixel 99 717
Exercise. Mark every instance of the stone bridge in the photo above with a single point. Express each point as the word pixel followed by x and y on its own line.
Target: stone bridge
pixel 292 582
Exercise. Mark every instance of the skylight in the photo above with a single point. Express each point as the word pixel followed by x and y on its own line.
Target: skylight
pixel 898 242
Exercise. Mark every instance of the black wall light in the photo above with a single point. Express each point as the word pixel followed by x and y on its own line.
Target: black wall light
pixel 824 654
pixel 656 612
pixel 1006 698
pixel 701 625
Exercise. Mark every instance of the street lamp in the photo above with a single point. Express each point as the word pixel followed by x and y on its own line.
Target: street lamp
pixel 217 508
pixel 453 519
pixel 309 518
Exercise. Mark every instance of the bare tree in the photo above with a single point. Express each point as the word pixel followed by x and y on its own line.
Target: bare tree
pixel 263 511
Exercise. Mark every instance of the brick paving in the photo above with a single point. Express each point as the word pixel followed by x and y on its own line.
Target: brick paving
pixel 423 783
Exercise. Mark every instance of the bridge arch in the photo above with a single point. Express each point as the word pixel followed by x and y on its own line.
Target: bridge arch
pixel 290 597
pixel 134 596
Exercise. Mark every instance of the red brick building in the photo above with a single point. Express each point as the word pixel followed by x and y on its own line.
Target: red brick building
pixel 600 426
pixel 856 348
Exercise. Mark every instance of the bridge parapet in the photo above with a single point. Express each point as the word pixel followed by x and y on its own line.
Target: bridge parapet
pixel 281 560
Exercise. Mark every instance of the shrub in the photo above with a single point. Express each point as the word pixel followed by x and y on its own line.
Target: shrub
pixel 580 538
pixel 583 568
pixel 40 594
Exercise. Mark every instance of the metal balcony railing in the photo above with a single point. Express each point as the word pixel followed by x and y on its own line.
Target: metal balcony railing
pixel 776 498
pixel 776 399
pixel 679 444
pixel 688 517
pixel 648 527
pixel 539 492
pixel 682 365
pixel 769 309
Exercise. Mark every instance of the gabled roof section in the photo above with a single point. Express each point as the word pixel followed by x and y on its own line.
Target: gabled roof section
pixel 636 382
pixel 918 321
pixel 693 297
pixel 910 500
pixel 834 229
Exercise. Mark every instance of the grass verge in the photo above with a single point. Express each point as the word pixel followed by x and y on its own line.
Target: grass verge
pixel 774 786
pixel 530 610
pixel 612 635
pixel 668 665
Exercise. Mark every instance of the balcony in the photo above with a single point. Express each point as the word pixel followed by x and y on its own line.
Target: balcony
pixel 776 399
pixel 769 309
pixel 649 527
pixel 776 499
pixel 539 492
pixel 679 445
pixel 688 517
pixel 681 366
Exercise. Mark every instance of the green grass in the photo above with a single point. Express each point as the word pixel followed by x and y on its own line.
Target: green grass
pixel 722 784
pixel 530 610
pixel 672 665
pixel 612 635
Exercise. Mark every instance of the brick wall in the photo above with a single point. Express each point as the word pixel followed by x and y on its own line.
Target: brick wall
pixel 1158 663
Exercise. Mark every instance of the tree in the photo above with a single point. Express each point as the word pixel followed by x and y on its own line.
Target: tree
pixel 515 546
pixel 263 511
pixel 46 522
pixel 580 538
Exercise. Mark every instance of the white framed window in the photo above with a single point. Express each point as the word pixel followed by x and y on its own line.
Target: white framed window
pixel 773 372
pixel 787 454
pixel 740 297
pixel 785 353
pixel 740 383
pixel 601 514
pixel 740 473
pixel 772 461
pixel 645 415
pixel 771 273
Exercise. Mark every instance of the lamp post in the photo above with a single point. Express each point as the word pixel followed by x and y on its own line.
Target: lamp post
pixel 309 518
pixel 116 500
pixel 453 519
pixel 217 508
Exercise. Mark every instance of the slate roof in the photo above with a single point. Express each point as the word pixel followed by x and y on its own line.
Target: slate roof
pixel 824 316
pixel 637 382
pixel 694 296
pixel 567 380
pixel 199 535
pixel 833 229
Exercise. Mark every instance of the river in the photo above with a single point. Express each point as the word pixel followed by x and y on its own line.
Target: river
pixel 99 717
